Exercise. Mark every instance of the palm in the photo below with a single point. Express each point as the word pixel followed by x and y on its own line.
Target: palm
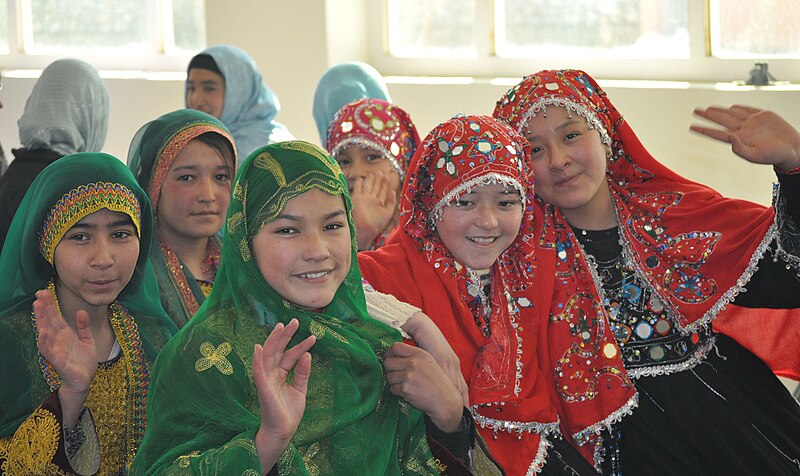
pixel 282 403
pixel 374 203
pixel 761 137
pixel 71 352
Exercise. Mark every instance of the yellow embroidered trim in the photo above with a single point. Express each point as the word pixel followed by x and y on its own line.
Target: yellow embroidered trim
pixel 266 161
pixel 214 357
pixel 34 444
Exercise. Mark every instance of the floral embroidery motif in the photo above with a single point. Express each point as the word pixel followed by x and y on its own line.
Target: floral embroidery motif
pixel 214 357
pixel 34 444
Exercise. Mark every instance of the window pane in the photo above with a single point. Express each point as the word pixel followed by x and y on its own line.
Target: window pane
pixel 432 28
pixel 189 20
pixel 753 29
pixel 90 24
pixel 592 28
pixel 3 26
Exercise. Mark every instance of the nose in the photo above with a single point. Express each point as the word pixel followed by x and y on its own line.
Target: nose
pixel 205 190
pixel 558 158
pixel 487 217
pixel 315 248
pixel 102 254
pixel 194 99
pixel 357 169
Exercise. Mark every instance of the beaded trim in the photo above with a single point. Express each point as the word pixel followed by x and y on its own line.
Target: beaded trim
pixel 368 144
pixel 592 431
pixel 540 105
pixel 788 240
pixel 518 427
pixel 699 355
pixel 467 186
pixel 80 202
pixel 541 455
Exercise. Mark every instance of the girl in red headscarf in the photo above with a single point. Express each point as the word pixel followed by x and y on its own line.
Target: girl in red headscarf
pixel 373 142
pixel 464 253
pixel 658 259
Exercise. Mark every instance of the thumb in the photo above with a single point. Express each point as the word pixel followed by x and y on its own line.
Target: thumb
pixel 83 328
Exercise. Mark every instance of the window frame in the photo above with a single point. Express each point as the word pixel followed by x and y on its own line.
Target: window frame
pixel 700 67
pixel 162 57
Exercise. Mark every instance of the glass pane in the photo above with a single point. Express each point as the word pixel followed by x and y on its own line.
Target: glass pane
pixel 3 26
pixel 592 28
pixel 432 28
pixel 755 29
pixel 189 20
pixel 91 24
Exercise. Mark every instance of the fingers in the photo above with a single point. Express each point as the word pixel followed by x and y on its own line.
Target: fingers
pixel 302 372
pixel 718 134
pixel 83 328
pixel 292 356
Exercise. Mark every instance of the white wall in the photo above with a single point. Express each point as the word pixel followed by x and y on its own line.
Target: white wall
pixel 294 42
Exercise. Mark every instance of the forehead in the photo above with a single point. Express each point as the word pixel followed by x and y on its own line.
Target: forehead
pixel 491 189
pixel 103 217
pixel 196 152
pixel 313 202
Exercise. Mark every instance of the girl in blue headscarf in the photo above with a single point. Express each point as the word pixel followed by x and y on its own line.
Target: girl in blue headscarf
pixel 342 84
pixel 224 81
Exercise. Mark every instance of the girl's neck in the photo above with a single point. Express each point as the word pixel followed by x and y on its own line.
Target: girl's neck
pixel 192 253
pixel 598 214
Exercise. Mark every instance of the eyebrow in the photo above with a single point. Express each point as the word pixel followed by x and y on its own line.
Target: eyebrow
pixel 568 123
pixel 196 167
pixel 206 82
pixel 295 218
pixel 91 226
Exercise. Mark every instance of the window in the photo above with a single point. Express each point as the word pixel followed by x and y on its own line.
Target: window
pixel 678 40
pixel 111 34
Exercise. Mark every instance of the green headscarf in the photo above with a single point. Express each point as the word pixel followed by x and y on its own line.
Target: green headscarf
pixel 152 152
pixel 72 188
pixel 203 407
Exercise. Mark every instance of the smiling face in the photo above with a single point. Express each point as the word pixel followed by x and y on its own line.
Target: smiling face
pixel 357 162
pixel 205 91
pixel 195 194
pixel 305 253
pixel 480 225
pixel 95 260
pixel 569 166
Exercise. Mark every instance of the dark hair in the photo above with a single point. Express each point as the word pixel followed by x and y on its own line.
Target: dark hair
pixel 204 61
pixel 221 145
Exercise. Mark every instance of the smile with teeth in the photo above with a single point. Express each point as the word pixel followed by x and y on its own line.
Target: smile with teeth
pixel 482 240
pixel 314 275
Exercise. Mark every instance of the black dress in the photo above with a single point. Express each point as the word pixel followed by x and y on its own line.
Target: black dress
pixel 706 404
pixel 15 182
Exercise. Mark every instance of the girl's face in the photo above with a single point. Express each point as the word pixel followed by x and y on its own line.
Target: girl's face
pixel 95 259
pixel 305 253
pixel 205 91
pixel 357 162
pixel 569 165
pixel 195 194
pixel 480 225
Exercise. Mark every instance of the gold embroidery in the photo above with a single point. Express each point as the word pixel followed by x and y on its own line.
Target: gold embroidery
pixel 214 357
pixel 308 456
pixel 108 402
pixel 267 162
pixel 314 151
pixel 183 461
pixel 319 332
pixel 34 444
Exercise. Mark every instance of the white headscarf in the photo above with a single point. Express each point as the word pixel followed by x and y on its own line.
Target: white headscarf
pixel 67 111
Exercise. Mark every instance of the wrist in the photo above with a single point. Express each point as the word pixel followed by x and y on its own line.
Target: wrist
pixel 269 448
pixel 450 420
pixel 792 168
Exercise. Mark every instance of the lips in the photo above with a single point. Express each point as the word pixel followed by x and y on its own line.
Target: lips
pixel 102 283
pixel 482 240
pixel 567 181
pixel 205 213
pixel 314 274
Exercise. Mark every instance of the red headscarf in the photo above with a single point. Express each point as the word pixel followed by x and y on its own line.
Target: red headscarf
pixel 509 394
pixel 687 242
pixel 375 124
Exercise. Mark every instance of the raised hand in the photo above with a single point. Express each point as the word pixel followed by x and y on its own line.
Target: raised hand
pixel 428 337
pixel 414 375
pixel 71 352
pixel 374 205
pixel 758 136
pixel 282 403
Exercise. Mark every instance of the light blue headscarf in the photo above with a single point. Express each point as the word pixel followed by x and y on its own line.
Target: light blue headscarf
pixel 342 84
pixel 67 111
pixel 250 106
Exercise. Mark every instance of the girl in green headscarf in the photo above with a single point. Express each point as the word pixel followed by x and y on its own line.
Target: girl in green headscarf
pixel 221 403
pixel 185 161
pixel 78 290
